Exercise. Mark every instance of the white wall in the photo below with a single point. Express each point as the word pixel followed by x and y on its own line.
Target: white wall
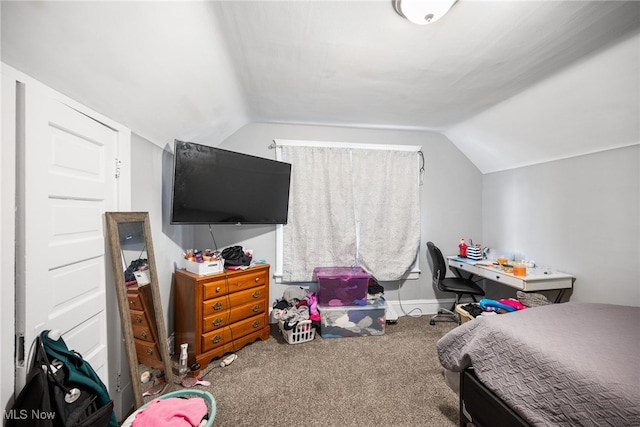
pixel 151 192
pixel 592 105
pixel 579 215
pixel 451 199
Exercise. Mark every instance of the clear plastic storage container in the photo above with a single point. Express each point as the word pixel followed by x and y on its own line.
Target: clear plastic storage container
pixel 353 321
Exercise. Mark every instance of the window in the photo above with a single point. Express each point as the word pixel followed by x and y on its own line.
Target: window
pixel 350 204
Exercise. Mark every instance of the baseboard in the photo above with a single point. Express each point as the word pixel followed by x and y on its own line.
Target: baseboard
pixel 421 307
pixel 417 307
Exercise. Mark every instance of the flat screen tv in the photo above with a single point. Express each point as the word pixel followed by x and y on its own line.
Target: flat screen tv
pixel 216 186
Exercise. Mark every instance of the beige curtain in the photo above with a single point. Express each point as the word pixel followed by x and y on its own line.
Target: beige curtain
pixel 321 226
pixel 351 207
pixel 387 207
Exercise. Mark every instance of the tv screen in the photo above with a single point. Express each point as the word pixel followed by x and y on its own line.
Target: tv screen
pixel 215 186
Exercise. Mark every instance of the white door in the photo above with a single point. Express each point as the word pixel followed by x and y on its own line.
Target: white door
pixel 66 181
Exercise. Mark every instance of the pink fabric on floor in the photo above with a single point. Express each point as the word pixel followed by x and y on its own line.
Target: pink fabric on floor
pixel 172 412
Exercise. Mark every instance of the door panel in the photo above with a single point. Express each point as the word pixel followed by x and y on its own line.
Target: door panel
pixel 76 231
pixel 67 189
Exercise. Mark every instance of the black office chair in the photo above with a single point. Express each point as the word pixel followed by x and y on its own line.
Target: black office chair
pixel 457 285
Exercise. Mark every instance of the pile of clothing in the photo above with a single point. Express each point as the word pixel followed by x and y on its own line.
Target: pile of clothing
pixel 488 306
pixel 297 304
pixel 173 411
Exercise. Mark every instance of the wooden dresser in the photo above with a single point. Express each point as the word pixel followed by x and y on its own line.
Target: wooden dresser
pixel 220 313
pixel 143 320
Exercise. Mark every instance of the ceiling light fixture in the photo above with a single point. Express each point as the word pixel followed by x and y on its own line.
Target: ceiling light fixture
pixel 422 11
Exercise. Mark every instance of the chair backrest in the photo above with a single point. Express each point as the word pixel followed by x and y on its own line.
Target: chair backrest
pixel 436 263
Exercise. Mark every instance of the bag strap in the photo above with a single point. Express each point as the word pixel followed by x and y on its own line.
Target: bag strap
pixel 41 354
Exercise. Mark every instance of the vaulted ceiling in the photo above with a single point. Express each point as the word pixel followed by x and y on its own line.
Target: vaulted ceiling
pixel 509 82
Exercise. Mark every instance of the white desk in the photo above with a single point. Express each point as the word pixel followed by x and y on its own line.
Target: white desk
pixel 535 280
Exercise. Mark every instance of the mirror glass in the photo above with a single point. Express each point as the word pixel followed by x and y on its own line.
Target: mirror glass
pixel 143 327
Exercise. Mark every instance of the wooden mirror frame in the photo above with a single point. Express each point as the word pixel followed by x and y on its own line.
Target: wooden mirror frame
pixel 113 219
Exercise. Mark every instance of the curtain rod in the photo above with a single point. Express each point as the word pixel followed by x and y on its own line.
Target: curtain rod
pixel 286 142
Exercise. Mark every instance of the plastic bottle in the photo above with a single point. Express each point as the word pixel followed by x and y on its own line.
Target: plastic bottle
pixel 183 369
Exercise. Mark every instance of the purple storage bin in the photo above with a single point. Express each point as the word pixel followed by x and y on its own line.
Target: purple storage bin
pixel 341 285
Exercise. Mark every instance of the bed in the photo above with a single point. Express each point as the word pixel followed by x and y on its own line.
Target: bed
pixel 570 364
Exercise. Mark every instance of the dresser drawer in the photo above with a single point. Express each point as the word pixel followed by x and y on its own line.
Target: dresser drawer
pixel 218 320
pixel 248 280
pixel 147 350
pixel 143 333
pixel 135 302
pixel 224 303
pixel 247 326
pixel 138 318
pixel 214 289
pixel 214 339
pixel 234 282
pixel 236 330
pixel 215 321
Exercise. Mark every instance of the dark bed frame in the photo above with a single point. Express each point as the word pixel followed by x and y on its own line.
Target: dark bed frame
pixel 485 408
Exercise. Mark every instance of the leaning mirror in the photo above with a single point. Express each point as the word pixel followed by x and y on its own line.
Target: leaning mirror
pixel 138 294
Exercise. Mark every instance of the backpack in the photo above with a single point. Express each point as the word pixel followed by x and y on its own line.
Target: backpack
pixel 234 256
pixel 61 390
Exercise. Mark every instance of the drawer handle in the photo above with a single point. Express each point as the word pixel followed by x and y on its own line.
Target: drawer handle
pixel 256 294
pixel 216 339
pixel 218 289
pixel 256 308
pixel 138 318
pixel 149 351
pixel 497 277
pixel 257 279
pixel 217 322
pixel 144 335
pixel 256 324
pixel 217 306
pixel 132 302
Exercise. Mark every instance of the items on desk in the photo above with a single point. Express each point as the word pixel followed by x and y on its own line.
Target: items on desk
pixel 474 252
pixel 463 248
pixel 520 269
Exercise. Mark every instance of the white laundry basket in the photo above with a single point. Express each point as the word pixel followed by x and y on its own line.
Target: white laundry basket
pixel 304 331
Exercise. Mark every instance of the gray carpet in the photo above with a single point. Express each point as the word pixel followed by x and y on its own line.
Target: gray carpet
pixel 389 380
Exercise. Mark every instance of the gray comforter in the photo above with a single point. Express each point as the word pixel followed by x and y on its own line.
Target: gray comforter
pixel 571 364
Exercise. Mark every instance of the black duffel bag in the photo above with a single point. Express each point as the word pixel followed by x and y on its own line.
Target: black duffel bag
pixel 62 390
pixel 234 256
